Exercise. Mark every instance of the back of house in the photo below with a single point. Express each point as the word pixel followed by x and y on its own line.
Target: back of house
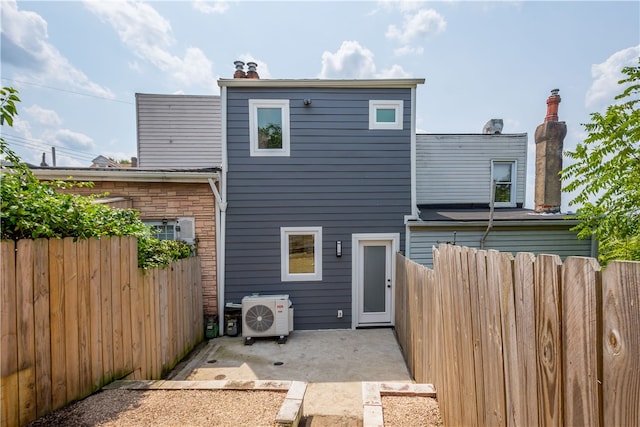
pixel 318 182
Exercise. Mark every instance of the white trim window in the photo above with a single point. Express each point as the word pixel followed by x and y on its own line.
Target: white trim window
pixel 503 176
pixel 182 229
pixel 385 114
pixel 269 127
pixel 301 253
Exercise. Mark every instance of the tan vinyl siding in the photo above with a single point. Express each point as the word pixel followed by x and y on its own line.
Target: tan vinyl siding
pixel 455 169
pixel 179 131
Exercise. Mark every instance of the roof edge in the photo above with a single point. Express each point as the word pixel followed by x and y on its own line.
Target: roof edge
pixel 127 175
pixel 355 83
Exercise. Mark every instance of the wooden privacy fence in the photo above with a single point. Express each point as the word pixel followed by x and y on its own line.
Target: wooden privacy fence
pixel 78 315
pixel 523 341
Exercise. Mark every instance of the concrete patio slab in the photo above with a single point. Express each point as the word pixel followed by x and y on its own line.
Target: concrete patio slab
pixel 334 363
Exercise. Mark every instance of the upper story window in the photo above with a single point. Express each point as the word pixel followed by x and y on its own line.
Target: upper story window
pixel 301 253
pixel 385 114
pixel 503 175
pixel 269 127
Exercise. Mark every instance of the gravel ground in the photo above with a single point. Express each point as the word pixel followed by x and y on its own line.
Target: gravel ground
pixel 162 408
pixel 411 411
pixel 191 408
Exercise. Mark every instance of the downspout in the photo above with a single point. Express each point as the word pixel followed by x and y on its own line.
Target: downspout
pixel 491 206
pixel 221 250
pixel 221 207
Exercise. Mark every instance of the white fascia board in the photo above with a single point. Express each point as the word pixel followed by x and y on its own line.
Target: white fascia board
pixel 318 83
pixel 124 175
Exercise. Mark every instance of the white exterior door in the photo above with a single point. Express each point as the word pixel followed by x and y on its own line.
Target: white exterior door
pixel 373 278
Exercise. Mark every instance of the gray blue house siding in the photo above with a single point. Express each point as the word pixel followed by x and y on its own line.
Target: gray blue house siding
pixel 339 175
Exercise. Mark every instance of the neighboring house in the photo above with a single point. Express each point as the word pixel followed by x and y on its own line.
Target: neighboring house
pixel 455 176
pixel 178 131
pixel 317 178
pixel 182 203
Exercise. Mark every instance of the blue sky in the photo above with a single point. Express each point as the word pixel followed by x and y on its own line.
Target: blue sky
pixel 78 64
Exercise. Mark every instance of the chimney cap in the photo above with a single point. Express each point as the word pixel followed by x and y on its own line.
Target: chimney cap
pixel 554 92
pixel 239 73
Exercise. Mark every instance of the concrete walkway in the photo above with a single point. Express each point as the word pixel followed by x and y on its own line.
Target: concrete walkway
pixel 334 363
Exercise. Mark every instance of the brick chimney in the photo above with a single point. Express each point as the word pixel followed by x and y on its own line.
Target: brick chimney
pixel 239 73
pixel 549 138
pixel 252 73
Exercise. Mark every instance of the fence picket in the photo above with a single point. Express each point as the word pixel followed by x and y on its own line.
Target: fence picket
pixel 621 337
pixel 95 314
pixel 71 321
pixel 56 310
pixel 84 318
pixel 116 310
pixel 525 329
pixel 581 292
pixel 26 331
pixel 548 339
pixel 106 320
pixel 10 410
pixel 42 327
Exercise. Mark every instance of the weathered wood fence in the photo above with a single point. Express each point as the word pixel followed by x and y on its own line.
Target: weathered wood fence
pixel 78 315
pixel 523 341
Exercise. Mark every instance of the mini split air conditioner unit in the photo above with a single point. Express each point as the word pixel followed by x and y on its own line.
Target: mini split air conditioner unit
pixel 266 316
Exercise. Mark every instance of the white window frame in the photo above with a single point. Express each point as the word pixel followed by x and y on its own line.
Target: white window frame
pixel 285 232
pixel 254 105
pixel 183 228
pixel 374 105
pixel 514 171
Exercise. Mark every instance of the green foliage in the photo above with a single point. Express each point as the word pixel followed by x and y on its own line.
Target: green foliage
pixel 607 173
pixel 30 209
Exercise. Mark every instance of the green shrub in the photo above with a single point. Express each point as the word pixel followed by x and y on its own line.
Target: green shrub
pixel 30 209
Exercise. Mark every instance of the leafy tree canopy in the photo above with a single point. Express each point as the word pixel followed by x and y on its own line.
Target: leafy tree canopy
pixel 31 209
pixel 606 173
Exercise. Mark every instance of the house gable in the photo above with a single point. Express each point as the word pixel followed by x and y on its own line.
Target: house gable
pixel 182 131
pixel 456 168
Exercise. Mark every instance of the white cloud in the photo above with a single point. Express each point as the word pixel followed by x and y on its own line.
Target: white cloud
pixel 350 61
pixel 606 76
pixel 401 5
pixel 395 72
pixel 25 46
pixel 70 140
pixel 409 50
pixel 353 61
pixel 149 36
pixel 425 22
pixel 212 7
pixel 43 116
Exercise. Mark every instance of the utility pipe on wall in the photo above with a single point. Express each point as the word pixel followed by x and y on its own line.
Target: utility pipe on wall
pixel 491 206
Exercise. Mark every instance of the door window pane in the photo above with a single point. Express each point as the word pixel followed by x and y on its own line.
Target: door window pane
pixel 375 278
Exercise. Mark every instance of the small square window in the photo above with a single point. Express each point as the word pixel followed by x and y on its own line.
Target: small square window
pixel 385 114
pixel 269 127
pixel 301 253
pixel 503 176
